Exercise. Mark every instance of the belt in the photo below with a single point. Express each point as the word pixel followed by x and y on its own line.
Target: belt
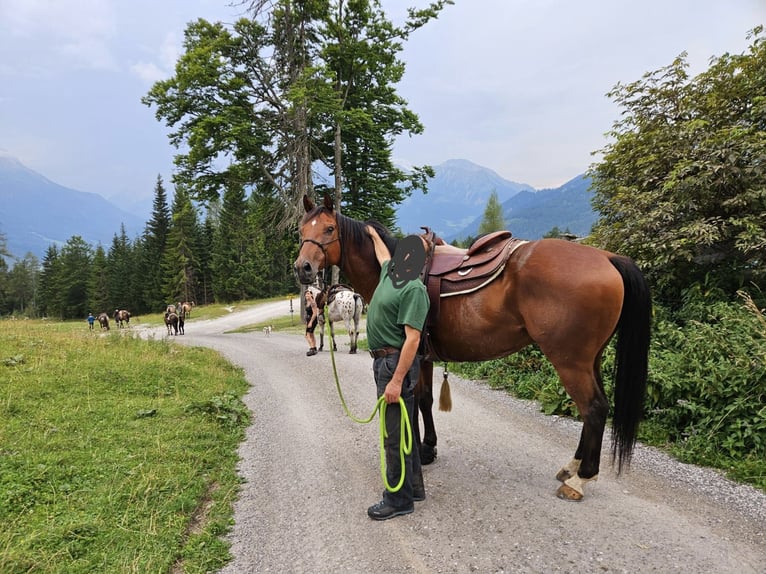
pixel 383 352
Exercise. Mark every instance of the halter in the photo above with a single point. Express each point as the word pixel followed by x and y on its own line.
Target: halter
pixel 323 245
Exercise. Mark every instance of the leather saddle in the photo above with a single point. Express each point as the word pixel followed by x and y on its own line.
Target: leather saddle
pixel 460 272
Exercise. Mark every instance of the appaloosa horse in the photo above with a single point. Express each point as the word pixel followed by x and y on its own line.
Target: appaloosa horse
pixel 503 294
pixel 343 304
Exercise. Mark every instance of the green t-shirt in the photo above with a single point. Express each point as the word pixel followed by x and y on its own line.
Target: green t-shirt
pixel 391 309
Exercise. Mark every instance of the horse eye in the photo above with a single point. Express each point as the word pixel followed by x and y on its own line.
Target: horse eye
pixel 330 229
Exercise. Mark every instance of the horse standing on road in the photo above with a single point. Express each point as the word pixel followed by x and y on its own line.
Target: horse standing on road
pixel 502 295
pixel 171 322
pixel 343 304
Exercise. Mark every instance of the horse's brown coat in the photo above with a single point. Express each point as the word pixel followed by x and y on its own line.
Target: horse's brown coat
pixel 567 298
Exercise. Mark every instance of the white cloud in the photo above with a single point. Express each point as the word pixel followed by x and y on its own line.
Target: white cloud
pixel 148 72
pixel 76 31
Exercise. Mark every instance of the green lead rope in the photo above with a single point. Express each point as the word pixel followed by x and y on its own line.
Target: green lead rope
pixel 405 442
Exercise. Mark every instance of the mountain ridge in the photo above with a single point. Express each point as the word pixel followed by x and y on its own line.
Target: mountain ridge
pixel 36 212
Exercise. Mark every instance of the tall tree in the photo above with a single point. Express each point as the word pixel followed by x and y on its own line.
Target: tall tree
pixel 492 219
pixel 179 259
pixel 50 296
pixel 682 187
pixel 271 99
pixel 99 297
pixel 120 271
pixel 232 262
pixel 76 258
pixel 152 247
pixel 22 285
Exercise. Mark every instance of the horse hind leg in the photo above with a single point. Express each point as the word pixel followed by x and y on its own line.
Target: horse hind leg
pixel 351 335
pixel 585 388
pixel 332 337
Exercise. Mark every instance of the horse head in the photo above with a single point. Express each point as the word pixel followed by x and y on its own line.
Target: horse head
pixel 320 245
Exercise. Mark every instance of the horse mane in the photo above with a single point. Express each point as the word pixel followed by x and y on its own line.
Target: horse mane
pixel 353 231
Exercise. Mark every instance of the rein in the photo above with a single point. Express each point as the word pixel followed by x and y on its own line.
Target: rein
pixel 405 442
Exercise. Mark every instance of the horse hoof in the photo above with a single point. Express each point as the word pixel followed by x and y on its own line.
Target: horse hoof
pixel 427 454
pixel 563 475
pixel 352 352
pixel 566 492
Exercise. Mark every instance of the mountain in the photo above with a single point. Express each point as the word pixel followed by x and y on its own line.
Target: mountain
pixel 532 214
pixel 456 196
pixel 36 212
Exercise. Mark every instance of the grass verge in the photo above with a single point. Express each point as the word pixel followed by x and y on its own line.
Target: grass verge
pixel 116 454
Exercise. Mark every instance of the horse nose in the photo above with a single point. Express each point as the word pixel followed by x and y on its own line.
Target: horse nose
pixel 306 267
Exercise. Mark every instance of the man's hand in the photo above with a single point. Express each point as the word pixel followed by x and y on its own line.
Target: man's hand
pixel 393 391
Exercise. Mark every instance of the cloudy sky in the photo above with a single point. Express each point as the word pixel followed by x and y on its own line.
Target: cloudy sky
pixel 517 86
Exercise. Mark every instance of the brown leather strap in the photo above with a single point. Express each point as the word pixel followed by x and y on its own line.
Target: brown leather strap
pixel 383 352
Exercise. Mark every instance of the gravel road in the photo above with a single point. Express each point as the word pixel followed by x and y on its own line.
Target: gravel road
pixel 310 473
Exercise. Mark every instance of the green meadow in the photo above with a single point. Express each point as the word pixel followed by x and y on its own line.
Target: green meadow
pixel 117 454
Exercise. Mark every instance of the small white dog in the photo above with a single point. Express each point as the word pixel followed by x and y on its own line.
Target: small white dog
pixel 267 330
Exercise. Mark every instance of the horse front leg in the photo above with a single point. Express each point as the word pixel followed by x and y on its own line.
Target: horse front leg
pixel 424 398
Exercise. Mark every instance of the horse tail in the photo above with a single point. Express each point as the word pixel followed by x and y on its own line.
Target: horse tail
pixel 358 308
pixel 631 360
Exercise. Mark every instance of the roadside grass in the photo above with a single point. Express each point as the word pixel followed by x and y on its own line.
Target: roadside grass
pixel 117 454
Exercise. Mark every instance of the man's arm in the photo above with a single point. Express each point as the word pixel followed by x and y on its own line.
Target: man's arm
pixel 381 251
pixel 406 356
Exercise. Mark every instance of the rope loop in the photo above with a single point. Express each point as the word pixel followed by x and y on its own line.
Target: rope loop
pixel 405 441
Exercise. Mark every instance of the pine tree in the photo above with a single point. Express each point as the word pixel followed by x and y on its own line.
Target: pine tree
pixel 493 216
pixel 99 299
pixel 151 249
pixel 179 259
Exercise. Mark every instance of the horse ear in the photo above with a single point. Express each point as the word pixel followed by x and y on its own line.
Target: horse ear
pixel 308 205
pixel 328 202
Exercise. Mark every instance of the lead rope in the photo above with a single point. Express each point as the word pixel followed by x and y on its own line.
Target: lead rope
pixel 405 441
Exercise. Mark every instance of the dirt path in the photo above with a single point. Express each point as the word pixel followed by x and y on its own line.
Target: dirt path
pixel 310 473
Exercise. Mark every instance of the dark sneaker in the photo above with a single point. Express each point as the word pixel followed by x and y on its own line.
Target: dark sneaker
pixel 383 511
pixel 311 351
pixel 419 494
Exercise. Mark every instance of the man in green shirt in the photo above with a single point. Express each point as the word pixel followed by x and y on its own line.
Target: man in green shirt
pixel 395 319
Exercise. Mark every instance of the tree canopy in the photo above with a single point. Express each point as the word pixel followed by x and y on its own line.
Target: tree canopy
pixel 297 85
pixel 682 186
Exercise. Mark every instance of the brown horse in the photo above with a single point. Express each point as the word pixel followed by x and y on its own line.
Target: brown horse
pixel 103 321
pixel 122 318
pixel 567 298
pixel 171 322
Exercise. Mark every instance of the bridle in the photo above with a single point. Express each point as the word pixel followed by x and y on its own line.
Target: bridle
pixel 323 246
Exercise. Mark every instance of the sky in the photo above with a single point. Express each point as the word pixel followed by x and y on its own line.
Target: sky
pixel 517 86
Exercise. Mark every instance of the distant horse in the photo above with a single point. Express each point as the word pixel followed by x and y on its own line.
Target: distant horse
pixel 171 322
pixel 172 308
pixel 122 318
pixel 343 304
pixel 186 307
pixel 502 295
pixel 103 320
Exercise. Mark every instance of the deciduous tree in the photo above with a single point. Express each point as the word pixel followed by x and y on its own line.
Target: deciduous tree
pixel 682 186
